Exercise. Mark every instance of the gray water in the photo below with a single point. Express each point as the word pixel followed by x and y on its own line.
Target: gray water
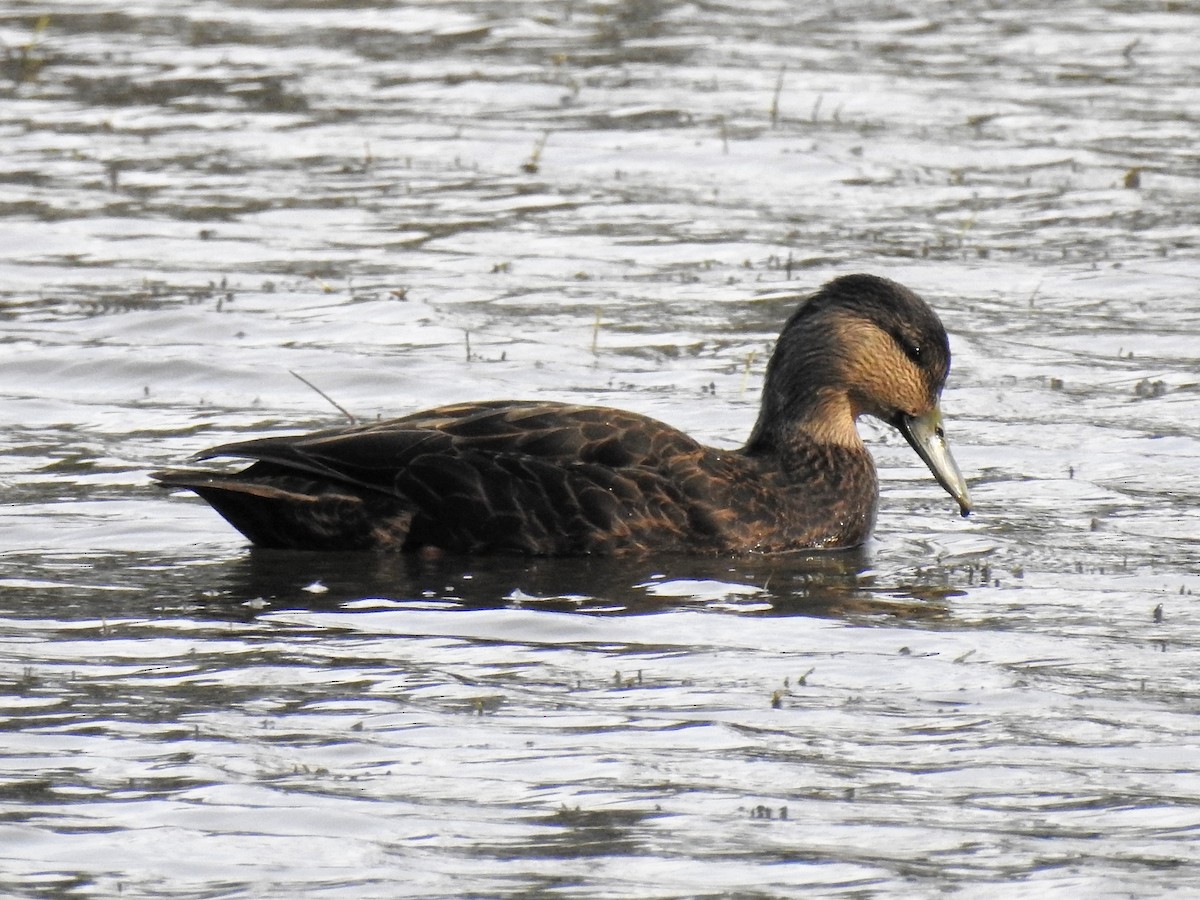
pixel 411 204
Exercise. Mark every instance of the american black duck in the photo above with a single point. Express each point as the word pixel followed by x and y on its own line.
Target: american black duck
pixel 547 479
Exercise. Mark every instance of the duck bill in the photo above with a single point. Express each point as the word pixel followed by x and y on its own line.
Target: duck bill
pixel 925 435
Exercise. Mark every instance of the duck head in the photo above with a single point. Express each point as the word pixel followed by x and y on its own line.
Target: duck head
pixel 862 345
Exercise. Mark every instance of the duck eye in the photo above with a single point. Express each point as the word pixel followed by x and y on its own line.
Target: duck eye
pixel 910 345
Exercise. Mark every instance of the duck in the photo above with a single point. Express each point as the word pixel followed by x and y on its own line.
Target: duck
pixel 538 478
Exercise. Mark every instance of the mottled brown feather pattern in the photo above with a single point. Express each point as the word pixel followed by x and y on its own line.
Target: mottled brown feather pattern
pixel 552 479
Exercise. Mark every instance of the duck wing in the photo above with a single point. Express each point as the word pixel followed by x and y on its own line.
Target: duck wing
pixel 538 478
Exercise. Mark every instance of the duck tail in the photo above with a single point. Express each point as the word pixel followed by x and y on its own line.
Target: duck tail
pixel 288 511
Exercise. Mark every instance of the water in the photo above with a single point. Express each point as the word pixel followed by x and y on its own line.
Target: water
pixel 412 204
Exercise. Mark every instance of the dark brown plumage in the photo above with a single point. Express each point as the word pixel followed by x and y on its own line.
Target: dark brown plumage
pixel 554 479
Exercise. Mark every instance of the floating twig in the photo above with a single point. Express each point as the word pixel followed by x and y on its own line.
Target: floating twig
pixel 596 333
pixel 345 412
pixel 746 372
pixel 534 162
pixel 775 97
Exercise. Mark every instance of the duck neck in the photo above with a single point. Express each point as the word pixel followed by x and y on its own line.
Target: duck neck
pixel 827 419
pixel 821 479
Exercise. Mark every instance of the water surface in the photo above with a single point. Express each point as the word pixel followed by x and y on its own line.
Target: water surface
pixel 411 204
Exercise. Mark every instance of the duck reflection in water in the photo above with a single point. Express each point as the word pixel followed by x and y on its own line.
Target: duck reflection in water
pixel 812 583
pixel 552 479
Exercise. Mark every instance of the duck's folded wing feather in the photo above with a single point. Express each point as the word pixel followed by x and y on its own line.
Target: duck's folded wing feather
pixel 366 458
pixel 459 446
pixel 531 478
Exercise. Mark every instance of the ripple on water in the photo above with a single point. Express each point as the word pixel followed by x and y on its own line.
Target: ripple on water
pixel 613 204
